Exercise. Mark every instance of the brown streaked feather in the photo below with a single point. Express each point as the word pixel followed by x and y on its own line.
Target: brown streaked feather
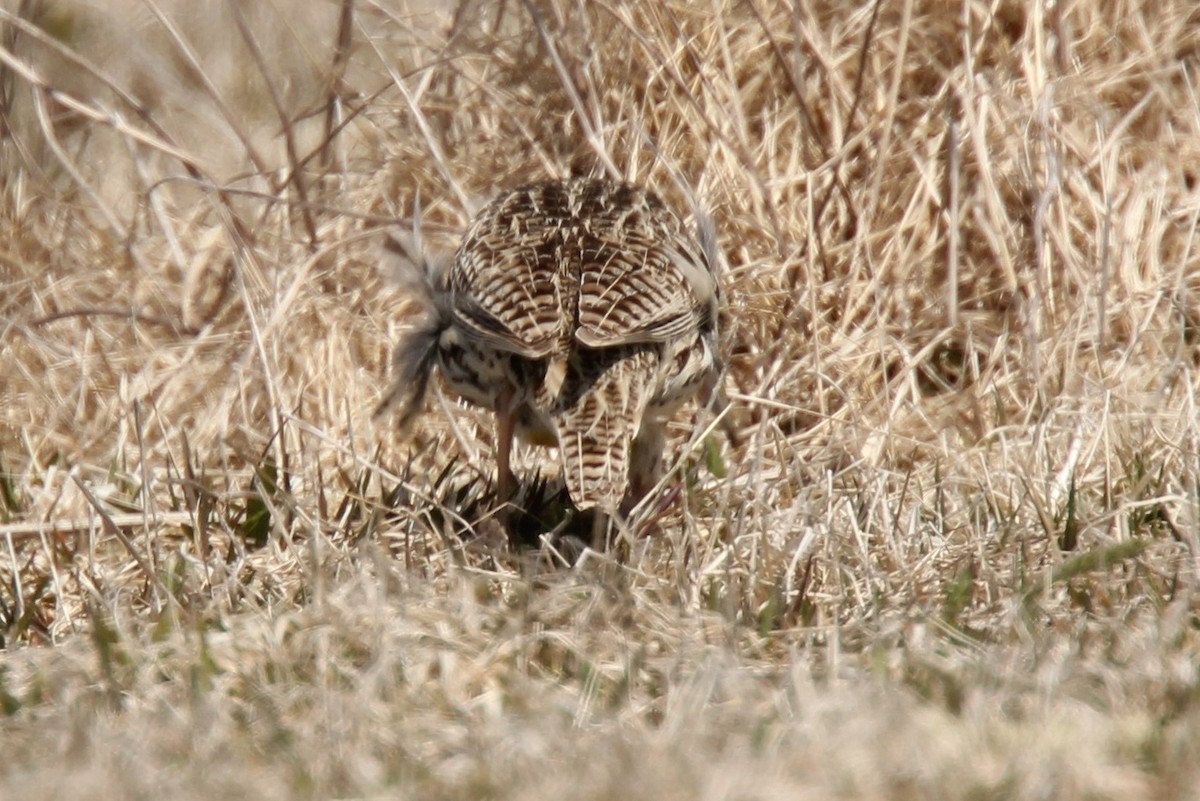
pixel 506 277
pixel 601 405
pixel 507 301
pixel 639 296
pixel 600 258
pixel 631 286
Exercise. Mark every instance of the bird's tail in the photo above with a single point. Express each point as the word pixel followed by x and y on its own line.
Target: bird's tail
pixel 598 413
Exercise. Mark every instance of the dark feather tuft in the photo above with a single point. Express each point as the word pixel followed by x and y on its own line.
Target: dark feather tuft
pixel 423 279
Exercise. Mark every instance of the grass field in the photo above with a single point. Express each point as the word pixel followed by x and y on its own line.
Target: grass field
pixel 952 555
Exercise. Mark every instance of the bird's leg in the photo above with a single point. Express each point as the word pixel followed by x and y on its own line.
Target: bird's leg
pixel 506 482
pixel 645 461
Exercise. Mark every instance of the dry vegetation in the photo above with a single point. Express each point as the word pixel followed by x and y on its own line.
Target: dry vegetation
pixel 954 555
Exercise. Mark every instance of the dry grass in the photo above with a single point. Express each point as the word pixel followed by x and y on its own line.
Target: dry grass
pixel 955 552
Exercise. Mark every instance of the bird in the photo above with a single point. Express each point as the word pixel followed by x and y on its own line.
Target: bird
pixel 581 312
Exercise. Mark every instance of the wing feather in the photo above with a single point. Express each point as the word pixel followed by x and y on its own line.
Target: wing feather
pixel 504 280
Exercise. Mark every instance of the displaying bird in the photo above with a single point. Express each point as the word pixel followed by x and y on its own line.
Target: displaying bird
pixel 583 314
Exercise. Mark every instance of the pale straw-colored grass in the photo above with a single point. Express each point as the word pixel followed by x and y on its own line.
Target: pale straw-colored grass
pixel 954 554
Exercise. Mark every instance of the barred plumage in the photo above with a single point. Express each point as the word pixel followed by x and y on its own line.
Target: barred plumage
pixel 583 314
